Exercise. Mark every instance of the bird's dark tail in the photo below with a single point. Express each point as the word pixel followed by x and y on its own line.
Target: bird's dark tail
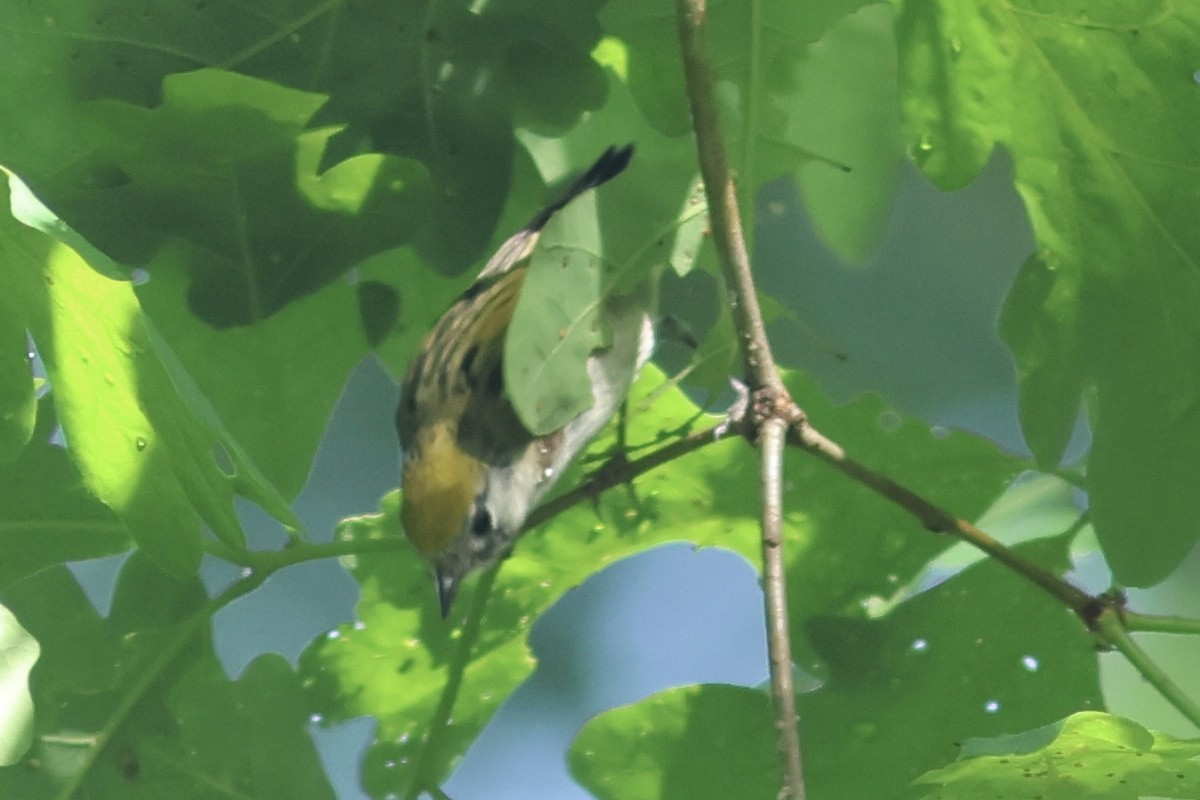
pixel 609 165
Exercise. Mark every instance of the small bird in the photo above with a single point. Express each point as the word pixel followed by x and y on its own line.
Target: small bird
pixel 472 471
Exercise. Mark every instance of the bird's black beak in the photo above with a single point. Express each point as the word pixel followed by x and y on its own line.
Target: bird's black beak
pixel 447 588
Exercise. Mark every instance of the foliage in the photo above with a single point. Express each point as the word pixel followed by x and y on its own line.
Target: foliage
pixel 1085 755
pixel 1113 225
pixel 216 210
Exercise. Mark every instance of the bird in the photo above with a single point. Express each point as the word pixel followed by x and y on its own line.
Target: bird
pixel 471 470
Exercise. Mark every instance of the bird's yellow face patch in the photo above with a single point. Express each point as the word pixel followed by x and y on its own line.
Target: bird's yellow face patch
pixel 439 488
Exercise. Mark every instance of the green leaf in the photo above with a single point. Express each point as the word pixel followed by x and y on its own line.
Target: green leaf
pixel 845 109
pixel 844 544
pixel 379 307
pixel 269 388
pixel 1034 506
pixel 137 705
pixel 596 259
pixel 807 92
pixel 393 663
pixel 981 654
pixel 18 401
pixel 18 398
pixel 848 548
pixel 1089 754
pixel 1041 325
pixel 47 516
pixel 223 181
pixel 144 438
pixel 700 741
pixel 247 735
pixel 717 358
pixel 896 697
pixel 442 84
pixel 563 322
pixel 1101 122
pixel 18 653
pixel 90 336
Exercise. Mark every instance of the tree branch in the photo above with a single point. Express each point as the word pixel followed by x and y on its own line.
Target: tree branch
pixel 1153 623
pixel 802 434
pixel 779 646
pixel 774 408
pixel 619 470
pixel 1112 627
pixel 426 779
pixel 724 217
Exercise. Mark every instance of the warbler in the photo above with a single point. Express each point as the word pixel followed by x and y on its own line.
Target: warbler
pixel 472 472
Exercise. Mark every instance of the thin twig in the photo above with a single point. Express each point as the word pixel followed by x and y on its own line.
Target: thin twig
pixel 1111 626
pixel 1104 615
pixel 1152 623
pixel 936 519
pixel 425 780
pixel 774 408
pixel 271 561
pixel 724 216
pixel 779 646
pixel 621 471
pixel 608 476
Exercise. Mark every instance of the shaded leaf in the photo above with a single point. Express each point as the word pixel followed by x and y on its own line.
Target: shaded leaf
pixel 136 705
pixel 249 734
pixel 1096 106
pixel 47 515
pixel 18 402
pixel 598 259
pixel 441 83
pixel 379 307
pixel 224 177
pixel 272 385
pixel 846 111
pixel 897 697
pixel 707 741
pixel 981 654
pixel 805 94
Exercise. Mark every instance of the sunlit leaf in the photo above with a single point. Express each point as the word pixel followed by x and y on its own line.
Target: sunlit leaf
pixel 143 436
pixel 1089 754
pixel 18 653
pixel 394 662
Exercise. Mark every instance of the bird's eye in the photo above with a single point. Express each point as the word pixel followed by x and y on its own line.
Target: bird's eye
pixel 481 521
